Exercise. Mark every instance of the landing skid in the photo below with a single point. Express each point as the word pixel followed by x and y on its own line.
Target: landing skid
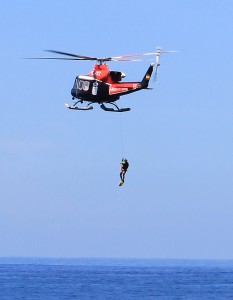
pixel 89 107
pixel 78 108
pixel 112 109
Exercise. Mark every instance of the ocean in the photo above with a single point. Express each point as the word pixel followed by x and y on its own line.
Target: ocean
pixel 50 279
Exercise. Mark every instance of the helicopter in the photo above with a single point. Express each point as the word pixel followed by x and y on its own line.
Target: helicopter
pixel 102 85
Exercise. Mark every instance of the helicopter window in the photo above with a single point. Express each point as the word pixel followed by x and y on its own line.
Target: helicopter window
pixel 75 84
pixel 83 85
pixel 79 84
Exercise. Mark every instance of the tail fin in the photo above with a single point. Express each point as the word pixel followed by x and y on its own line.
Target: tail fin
pixel 146 78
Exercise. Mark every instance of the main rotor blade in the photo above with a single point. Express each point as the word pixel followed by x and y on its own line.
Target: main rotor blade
pixel 119 59
pixel 57 58
pixel 144 54
pixel 128 57
pixel 114 58
pixel 73 55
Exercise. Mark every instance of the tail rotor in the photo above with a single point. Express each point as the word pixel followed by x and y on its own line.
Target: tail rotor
pixel 157 53
pixel 157 63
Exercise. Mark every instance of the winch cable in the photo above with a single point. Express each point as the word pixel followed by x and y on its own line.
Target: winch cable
pixel 122 136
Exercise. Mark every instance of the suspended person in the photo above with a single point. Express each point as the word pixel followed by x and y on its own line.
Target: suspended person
pixel 124 168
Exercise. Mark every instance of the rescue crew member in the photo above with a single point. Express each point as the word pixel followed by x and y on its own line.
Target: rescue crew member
pixel 124 168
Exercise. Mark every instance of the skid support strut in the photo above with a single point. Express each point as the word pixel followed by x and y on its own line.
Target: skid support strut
pixel 112 109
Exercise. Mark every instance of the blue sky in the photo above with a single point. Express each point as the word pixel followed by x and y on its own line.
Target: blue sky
pixel 60 168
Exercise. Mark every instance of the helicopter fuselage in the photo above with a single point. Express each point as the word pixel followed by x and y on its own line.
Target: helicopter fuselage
pixel 102 85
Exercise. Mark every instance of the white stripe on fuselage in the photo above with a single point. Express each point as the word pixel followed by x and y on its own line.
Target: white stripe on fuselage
pixel 84 77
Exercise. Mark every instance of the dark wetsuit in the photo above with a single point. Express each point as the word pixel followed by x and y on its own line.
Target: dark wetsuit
pixel 124 168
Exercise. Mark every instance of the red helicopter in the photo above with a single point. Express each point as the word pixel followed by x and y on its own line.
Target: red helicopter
pixel 104 86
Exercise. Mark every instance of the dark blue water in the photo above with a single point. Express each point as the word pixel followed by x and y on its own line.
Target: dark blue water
pixel 47 279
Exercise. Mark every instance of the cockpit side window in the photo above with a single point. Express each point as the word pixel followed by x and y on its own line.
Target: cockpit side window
pixel 75 83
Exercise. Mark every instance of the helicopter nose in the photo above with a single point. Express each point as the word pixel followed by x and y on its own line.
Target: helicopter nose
pixel 74 92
